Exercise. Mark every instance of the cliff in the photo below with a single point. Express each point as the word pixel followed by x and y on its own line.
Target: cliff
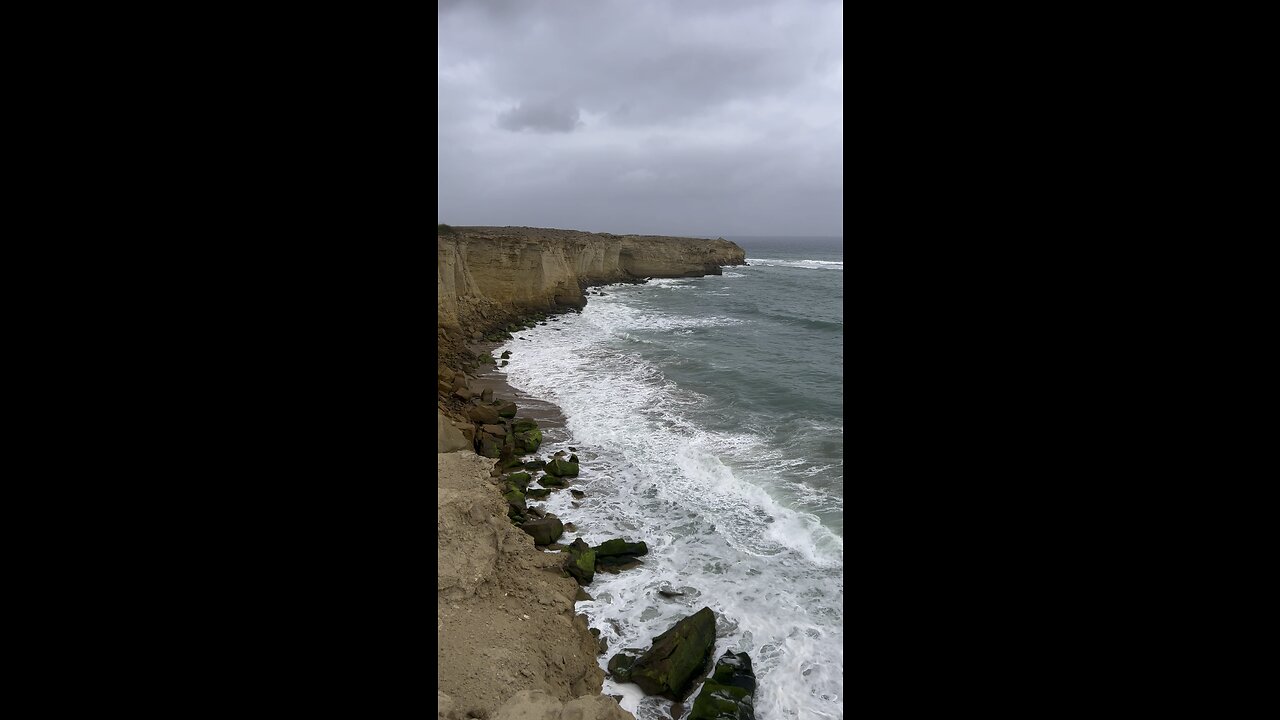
pixel 486 274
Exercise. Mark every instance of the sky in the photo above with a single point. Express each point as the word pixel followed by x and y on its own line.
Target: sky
pixel 707 118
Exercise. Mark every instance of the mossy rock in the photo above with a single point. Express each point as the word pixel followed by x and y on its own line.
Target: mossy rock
pixel 533 465
pixel 506 408
pixel 515 502
pixel 512 462
pixel 537 493
pixel 677 655
pixel 581 562
pixel 561 468
pixel 727 694
pixel 520 479
pixel 621 547
pixel 505 354
pixel 523 425
pixel 488 446
pixel 551 481
pixel 528 441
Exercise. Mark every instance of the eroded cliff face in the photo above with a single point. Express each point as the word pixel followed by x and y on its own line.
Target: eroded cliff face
pixel 487 273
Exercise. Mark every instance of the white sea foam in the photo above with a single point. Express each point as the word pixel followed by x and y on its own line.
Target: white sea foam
pixel 773 575
pixel 807 264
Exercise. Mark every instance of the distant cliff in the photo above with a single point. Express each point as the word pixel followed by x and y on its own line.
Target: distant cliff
pixel 486 274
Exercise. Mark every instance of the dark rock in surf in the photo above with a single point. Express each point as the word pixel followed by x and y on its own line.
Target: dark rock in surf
pixel 676 657
pixel 577 493
pixel 544 531
pixel 621 547
pixel 729 693
pixel 581 562
pixel 560 468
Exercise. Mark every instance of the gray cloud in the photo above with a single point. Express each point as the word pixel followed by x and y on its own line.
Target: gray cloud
pixel 688 118
pixel 541 116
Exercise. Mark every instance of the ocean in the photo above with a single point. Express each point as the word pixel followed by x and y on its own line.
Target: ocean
pixel 708 414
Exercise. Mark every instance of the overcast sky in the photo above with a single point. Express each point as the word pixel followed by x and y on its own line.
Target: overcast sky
pixel 721 117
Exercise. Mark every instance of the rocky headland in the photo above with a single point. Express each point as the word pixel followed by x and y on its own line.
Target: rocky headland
pixel 509 641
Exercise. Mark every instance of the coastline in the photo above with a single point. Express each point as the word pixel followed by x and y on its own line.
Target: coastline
pixel 510 640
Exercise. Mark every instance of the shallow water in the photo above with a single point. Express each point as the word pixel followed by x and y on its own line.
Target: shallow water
pixel 708 415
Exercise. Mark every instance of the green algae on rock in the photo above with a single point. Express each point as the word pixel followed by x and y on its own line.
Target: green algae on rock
pixel 618 546
pixel 676 657
pixel 727 694
pixel 561 468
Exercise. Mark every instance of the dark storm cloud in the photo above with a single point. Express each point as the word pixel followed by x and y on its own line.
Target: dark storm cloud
pixel 699 118
pixel 540 116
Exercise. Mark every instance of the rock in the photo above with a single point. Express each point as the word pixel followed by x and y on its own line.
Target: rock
pixel 484 414
pixel 537 493
pixel 570 527
pixel 560 468
pixel 581 562
pixel 505 354
pixel 620 666
pixel 515 502
pixel 511 462
pixel 462 393
pixel 504 364
pixel 459 380
pixel 582 596
pixel 621 547
pixel 444 387
pixel 468 431
pixel 528 441
pixel 448 437
pixel 615 565
pixel 506 408
pixel 488 446
pixel 573 449
pixel 487 395
pixel 494 430
pixel 544 531
pixel 573 459
pixel 523 425
pixel 535 511
pixel 552 481
pixel 556 546
pixel 577 493
pixel 668 592
pixel 676 657
pixel 728 693
pixel 520 479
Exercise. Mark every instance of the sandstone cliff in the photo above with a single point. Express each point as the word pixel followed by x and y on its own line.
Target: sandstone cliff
pixel 488 273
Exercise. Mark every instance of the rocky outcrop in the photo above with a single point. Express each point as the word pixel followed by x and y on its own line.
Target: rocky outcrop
pixel 489 273
pixel 729 693
pixel 676 657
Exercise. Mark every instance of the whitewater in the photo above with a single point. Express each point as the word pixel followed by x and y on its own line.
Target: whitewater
pixel 708 417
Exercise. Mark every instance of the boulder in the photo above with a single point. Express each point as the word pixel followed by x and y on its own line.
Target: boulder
pixel 505 354
pixel 573 459
pixel 529 440
pixel 560 468
pixel 551 481
pixel 515 502
pixel 506 408
pixel 487 395
pixel 494 430
pixel 620 666
pixel 448 437
pixel 580 562
pixel 444 387
pixel 519 479
pixel 621 547
pixel 523 425
pixel 488 446
pixel 728 693
pixel 484 414
pixel 511 462
pixel 676 657
pixel 537 493
pixel 577 494
pixel 462 393
pixel 544 531
pixel 504 363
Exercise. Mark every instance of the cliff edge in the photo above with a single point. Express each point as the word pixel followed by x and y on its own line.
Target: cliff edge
pixel 486 274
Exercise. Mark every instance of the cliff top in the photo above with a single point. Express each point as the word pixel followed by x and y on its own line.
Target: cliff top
pixel 533 233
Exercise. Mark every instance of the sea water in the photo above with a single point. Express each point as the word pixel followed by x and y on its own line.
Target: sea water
pixel 708 417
